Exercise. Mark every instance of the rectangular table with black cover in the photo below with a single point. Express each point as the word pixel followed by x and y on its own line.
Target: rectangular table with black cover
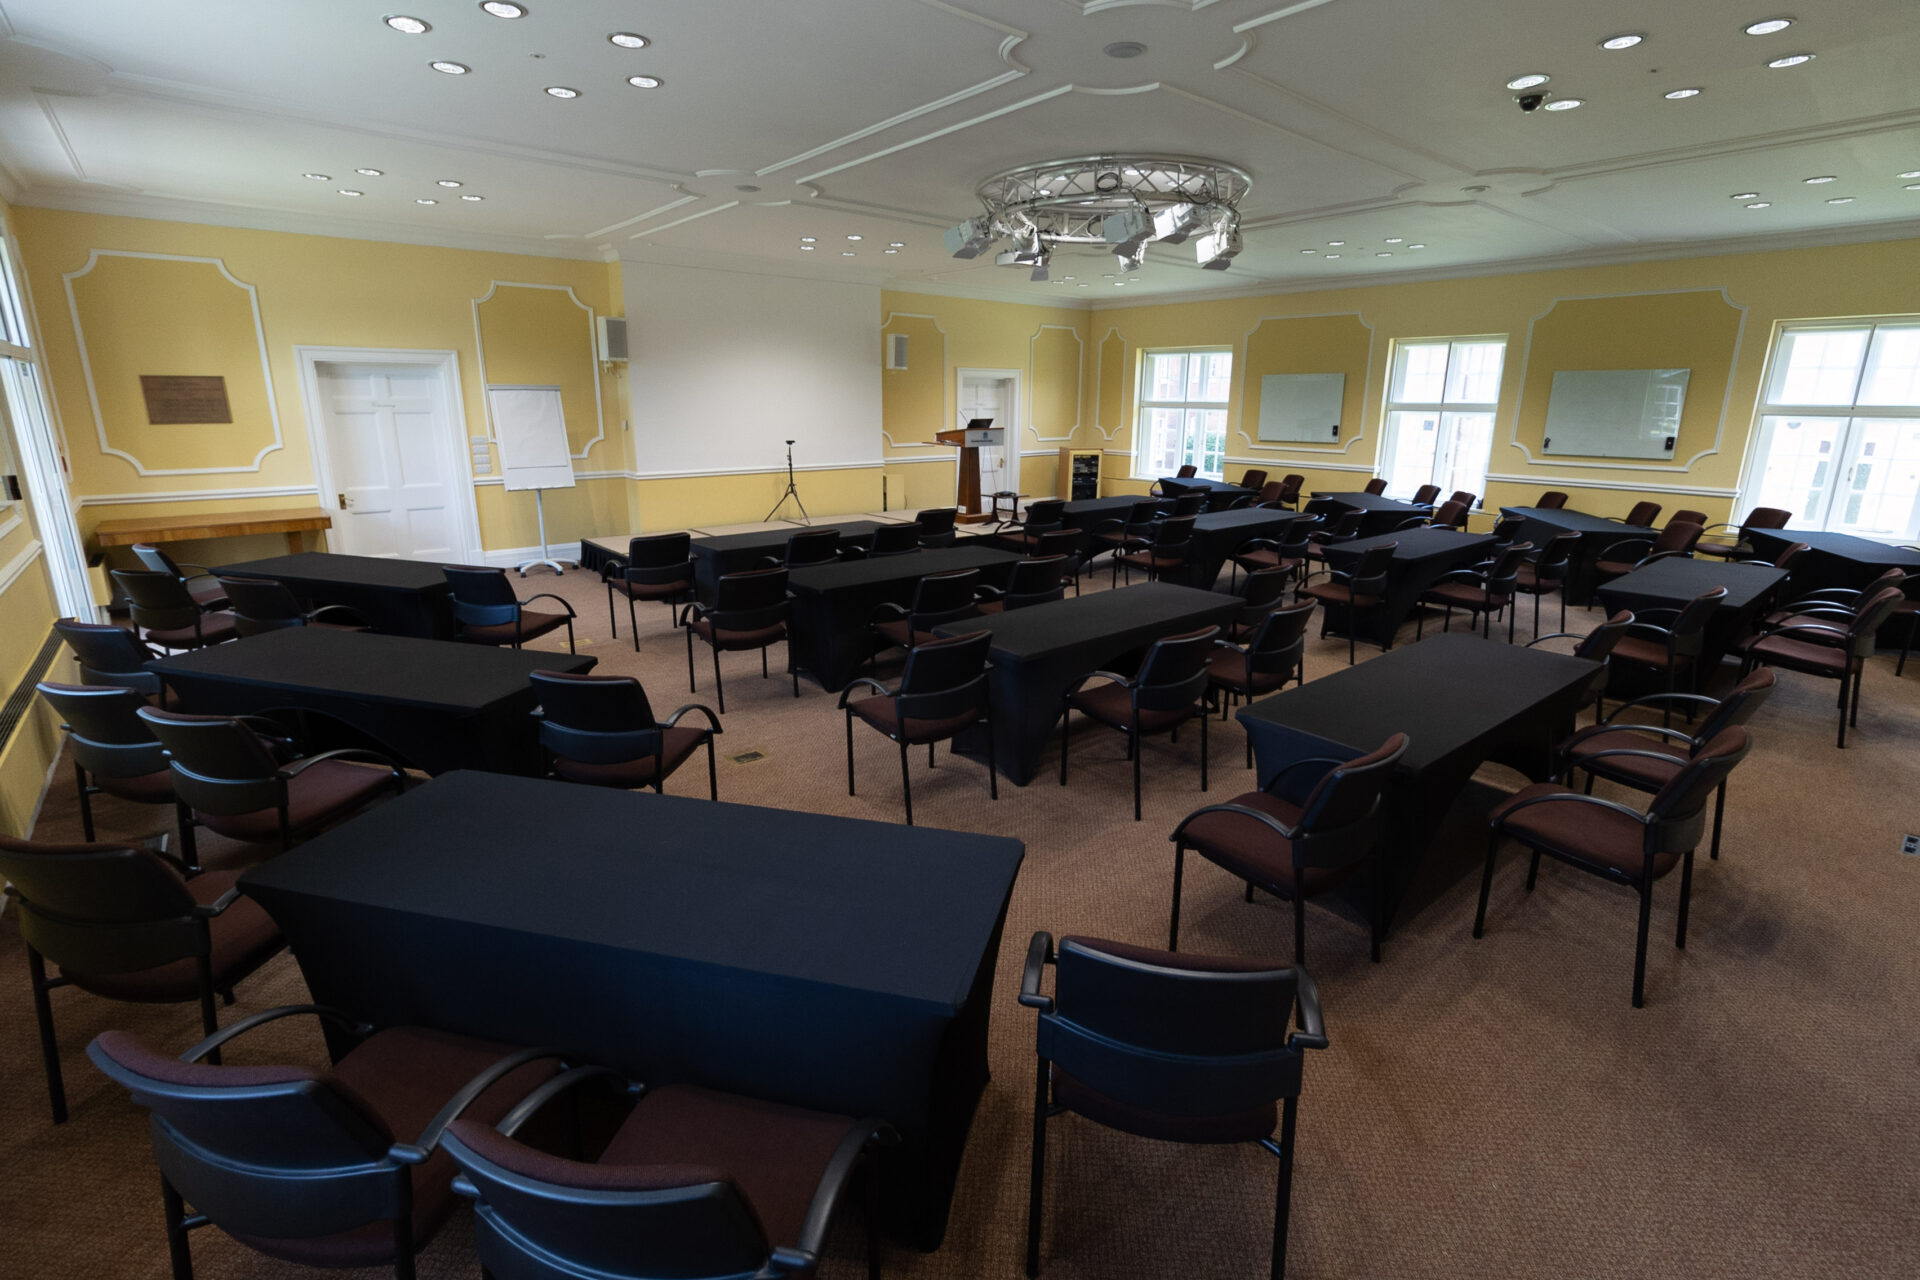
pixel 398 597
pixel 1218 534
pixel 1421 557
pixel 1671 583
pixel 1462 701
pixel 1840 560
pixel 737 552
pixel 433 704
pixel 1041 651
pixel 820 962
pixel 1597 533
pixel 1219 492
pixel 1382 514
pixel 834 603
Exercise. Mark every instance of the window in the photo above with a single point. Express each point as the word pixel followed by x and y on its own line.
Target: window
pixel 1839 436
pixel 1183 413
pixel 1440 405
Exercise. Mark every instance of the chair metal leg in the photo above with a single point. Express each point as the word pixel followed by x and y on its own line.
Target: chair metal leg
pixel 1065 716
pixel 1037 1175
pixel 692 686
pixel 993 765
pixel 403 1247
pixel 719 687
pixel 1533 870
pixel 1299 926
pixel 1133 741
pixel 906 782
pixel 1858 677
pixel 1844 675
pixel 178 1251
pixel 209 1015
pixel 1379 930
pixel 570 648
pixel 633 624
pixel 1203 750
pixel 1686 899
pixel 713 771
pixel 189 843
pixel 849 752
pixel 1486 883
pixel 1173 923
pixel 1640 947
pixel 49 1045
pixel 1719 810
pixel 613 624
pixel 1283 1194
pixel 86 801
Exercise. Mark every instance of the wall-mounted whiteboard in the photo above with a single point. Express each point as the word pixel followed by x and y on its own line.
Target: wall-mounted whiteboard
pixel 531 431
pixel 1302 408
pixel 1615 413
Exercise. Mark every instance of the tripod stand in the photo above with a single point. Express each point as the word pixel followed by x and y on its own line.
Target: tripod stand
pixel 791 492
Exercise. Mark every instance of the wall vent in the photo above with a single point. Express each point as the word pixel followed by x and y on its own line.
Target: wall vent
pixel 612 334
pixel 21 699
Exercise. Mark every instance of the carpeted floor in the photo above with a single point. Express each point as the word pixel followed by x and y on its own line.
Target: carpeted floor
pixel 1491 1108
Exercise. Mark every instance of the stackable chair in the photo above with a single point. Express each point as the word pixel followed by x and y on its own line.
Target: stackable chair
pixel 1687 516
pixel 1260 595
pixel 941 694
pixel 1552 500
pixel 488 612
pixel 601 730
pixel 1289 552
pixel 1676 541
pixel 1361 589
pixel 1546 571
pixel 1166 550
pixel 1465 498
pixel 1023 532
pixel 1827 649
pixel 337 1167
pixel 1741 548
pixel 808 546
pixel 1297 849
pixel 1597 646
pixel 1376 486
pixel 1168 690
pixel 230 779
pixel 1117 535
pixel 1483 590
pixel 1643 514
pixel 1190 503
pixel 1178 1048
pixel 110 655
pixel 128 923
pixel 936 526
pixel 657 567
pixel 1289 496
pixel 1671 650
pixel 937 598
pixel 1646 757
pixel 1506 530
pixel 260 605
pixel 1425 494
pixel 1616 841
pixel 1833 605
pixel 1253 479
pixel 1035 580
pixel 1067 545
pixel 201 584
pixel 166 615
pixel 750 610
pixel 1345 528
pixel 1273 653
pixel 115 753
pixel 1451 514
pixel 888 540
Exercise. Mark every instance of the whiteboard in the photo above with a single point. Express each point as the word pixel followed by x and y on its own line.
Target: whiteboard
pixel 1302 407
pixel 531 432
pixel 1615 413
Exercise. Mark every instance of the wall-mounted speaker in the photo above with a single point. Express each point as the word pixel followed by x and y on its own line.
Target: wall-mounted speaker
pixel 612 334
pixel 896 351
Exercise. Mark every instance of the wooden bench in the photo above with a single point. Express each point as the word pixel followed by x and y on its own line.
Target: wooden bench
pixel 292 521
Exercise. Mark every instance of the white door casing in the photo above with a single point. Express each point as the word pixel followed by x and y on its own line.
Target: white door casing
pixel 993 393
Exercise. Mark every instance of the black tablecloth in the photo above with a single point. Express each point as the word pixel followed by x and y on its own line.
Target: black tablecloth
pixel 399 597
pixel 737 552
pixel 1039 651
pixel 434 704
pixel 1671 583
pixel 1382 514
pixel 1218 534
pixel 1460 700
pixel 1840 560
pixel 1597 533
pixel 1421 557
pixel 819 962
pixel 833 603
pixel 1219 493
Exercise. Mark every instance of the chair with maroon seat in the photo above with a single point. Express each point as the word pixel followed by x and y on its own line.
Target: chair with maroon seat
pixel 1253 479
pixel 942 693
pixel 1024 530
pixel 1741 548
pixel 1269 495
pixel 1451 514
pixel 260 605
pixel 110 655
pixel 1164 551
pixel 1615 841
pixel 1833 605
pixel 750 610
pixel 1425 494
pixel 937 598
pixel 1289 553
pixel 936 524
pixel 1595 646
pixel 1294 841
pixel 1274 653
pixel 167 616
pixel 1344 529
pixel 1168 690
pixel 601 730
pixel 1260 595
pixel 1827 650
pixel 693 1183
pixel 1035 580
pixel 1187 471
pixel 1551 500
pixel 1646 756
pixel 1068 544
pixel 1618 559
pixel 1290 485
pixel 331 1168
pixel 230 780
pixel 202 585
pixel 1177 1048
pixel 1909 608
pixel 1643 514
pixel 128 923
pixel 1181 505
pixel 1357 590
pixel 1376 486
pixel 807 547
pixel 1688 516
pixel 1482 590
pixel 488 612
pixel 1114 536
pixel 1547 570
pixel 656 567
pixel 115 753
pixel 1671 649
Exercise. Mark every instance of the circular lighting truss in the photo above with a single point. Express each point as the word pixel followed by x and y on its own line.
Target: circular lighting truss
pixel 1121 202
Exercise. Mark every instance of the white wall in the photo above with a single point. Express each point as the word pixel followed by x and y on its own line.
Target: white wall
pixel 725 366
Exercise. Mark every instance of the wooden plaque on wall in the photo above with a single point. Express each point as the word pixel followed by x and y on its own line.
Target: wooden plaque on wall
pixel 173 400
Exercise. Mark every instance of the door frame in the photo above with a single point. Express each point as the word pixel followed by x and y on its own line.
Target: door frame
pixel 447 364
pixel 1011 445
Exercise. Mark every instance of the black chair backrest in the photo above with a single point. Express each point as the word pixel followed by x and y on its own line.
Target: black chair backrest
pixel 1174 672
pixel 1346 527
pixel 1299 536
pixel 261 604
pixel 156 560
pixel 1679 535
pixel 1505 569
pixel 1141 518
pixel 944 597
pixel 1188 504
pixel 1349 793
pixel 659 558
pixel 1685 515
pixel 1451 513
pixel 1262 591
pixel 101 908
pixel 1554 559
pixel 104 728
pixel 1270 493
pixel 1643 514
pixel 1044 516
pixel 750 599
pixel 1060 542
pixel 1552 500
pixel 109 655
pixel 1790 553
pixel 1377 486
pixel 1367 576
pixel 1036 580
pixel 1765 518
pixel 1599 642
pixel 1173 533
pixel 1690 626
pixel 1281 639
pixel 1425 494
pixel 595 719
pixel 1465 498
pixel 220 764
pixel 945 678
pixel 1187 471
pixel 1871 616
pixel 1677 814
pixel 157 601
pixel 1507 528
pixel 1740 705
pixel 482 597
pixel 812 546
pixel 936 524
pixel 1254 479
pixel 1171 1037
pixel 894 539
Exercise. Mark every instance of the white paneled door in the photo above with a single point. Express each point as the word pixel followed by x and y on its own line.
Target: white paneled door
pixel 387 440
pixel 997 396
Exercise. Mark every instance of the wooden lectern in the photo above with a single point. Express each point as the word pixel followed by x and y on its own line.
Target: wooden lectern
pixel 969 441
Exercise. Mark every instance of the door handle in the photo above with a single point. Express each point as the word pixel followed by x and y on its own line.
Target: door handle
pixel 344 504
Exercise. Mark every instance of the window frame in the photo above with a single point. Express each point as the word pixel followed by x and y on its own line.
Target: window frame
pixel 1143 403
pixel 1442 409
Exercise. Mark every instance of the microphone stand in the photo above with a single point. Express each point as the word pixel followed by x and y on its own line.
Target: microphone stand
pixel 792 492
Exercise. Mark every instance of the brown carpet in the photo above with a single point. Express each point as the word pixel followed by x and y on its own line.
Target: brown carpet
pixel 1491 1108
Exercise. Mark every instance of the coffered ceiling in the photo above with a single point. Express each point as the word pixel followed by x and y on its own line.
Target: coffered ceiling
pixel 1380 123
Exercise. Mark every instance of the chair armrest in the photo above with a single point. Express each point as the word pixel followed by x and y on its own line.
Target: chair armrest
pixel 614 567
pixel 1829 595
pixel 301 765
pixel 1606 552
pixel 1039 956
pixel 1657 699
pixel 339 608
pixel 1571 797
pixel 1555 635
pixel 1676 553
pixel 1335 761
pixel 833 1183
pixel 1114 676
pixel 985 592
pixel 1470 575
pixel 321 1011
pixel 1666 633
pixel 208 910
pixel 1820 627
pixel 524 1109
pixel 888 612
pixel 694 612
pixel 1819 609
pixel 204 572
pixel 770 562
pixel 1313 1030
pixel 1635 752
pixel 1266 819
pixel 417 1151
pixel 1228 644
pixel 713 717
pixel 847 693
pixel 548 595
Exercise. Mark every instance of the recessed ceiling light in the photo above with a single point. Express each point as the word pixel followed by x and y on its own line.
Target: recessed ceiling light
pixel 644 82
pixel 318 177
pixel 345 191
pixel 1841 200
pixel 1625 41
pixel 446 182
pixel 426 200
pixel 1566 104
pixel 1816 181
pixel 1744 195
pixel 1106 275
pixel 846 253
pixel 1767 26
pixel 1383 254
pixel 450 68
pixel 1913 186
pixel 561 91
pixel 897 244
pixel 406 26
pixel 1394 239
pixel 1309 251
pixel 1081 285
pixel 806 248
pixel 475 199
pixel 1532 80
pixel 1335 244
pixel 808 239
pixel 1675 95
pixel 1124 49
pixel 1911 173
pixel 1416 246
pixel 368 173
pixel 1790 60
pixel 1332 256
pixel 628 39
pixel 853 237
pixel 893 251
pixel 1119 284
pixel 503 8
pixel 1760 204
pixel 1066 277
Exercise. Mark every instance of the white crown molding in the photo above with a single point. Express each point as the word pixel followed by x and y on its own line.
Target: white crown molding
pixel 593 348
pixel 11 571
pixel 1079 388
pixel 1366 381
pixel 196 495
pixel 935 289
pixel 86 365
pixel 1621 486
